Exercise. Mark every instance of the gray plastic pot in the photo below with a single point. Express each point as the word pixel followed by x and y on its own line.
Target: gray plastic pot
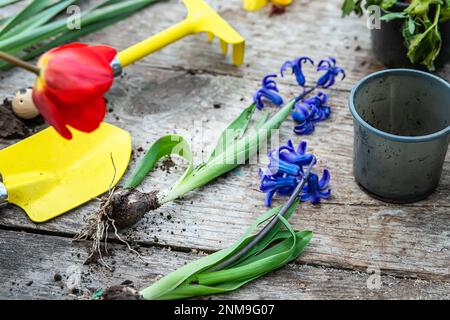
pixel 402 133
pixel 389 47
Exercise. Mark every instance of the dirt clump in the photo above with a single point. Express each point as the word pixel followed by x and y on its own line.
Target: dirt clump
pixel 121 292
pixel 167 164
pixel 13 127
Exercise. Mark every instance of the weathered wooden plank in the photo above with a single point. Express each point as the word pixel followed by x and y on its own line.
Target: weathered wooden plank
pixel 30 262
pixel 352 229
pixel 313 28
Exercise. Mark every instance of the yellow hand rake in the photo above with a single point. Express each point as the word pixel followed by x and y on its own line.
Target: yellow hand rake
pixel 200 18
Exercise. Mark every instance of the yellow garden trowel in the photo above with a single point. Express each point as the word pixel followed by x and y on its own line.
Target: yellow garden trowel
pixel 47 175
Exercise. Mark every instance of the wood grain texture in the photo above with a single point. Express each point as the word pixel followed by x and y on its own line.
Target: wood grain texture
pixel 352 229
pixel 175 91
pixel 32 261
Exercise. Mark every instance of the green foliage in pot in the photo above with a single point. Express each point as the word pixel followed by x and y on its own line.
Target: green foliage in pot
pixel 422 19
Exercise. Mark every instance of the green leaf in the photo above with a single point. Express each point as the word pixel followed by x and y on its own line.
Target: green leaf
pixel 4 3
pixel 263 120
pixel 425 47
pixel 33 8
pixel 33 37
pixel 235 130
pixel 268 260
pixel 411 26
pixel 65 38
pixel 387 4
pixel 347 7
pixel 393 15
pixel 445 15
pixel 39 19
pixel 168 145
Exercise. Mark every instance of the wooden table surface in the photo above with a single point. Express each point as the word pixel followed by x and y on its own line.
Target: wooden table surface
pixel 175 91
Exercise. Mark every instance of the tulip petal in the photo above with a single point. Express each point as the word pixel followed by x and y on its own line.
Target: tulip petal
pixel 106 52
pixel 77 75
pixel 51 112
pixel 85 117
pixel 67 46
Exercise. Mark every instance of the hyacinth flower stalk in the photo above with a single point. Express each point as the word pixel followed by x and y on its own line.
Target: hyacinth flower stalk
pixel 308 112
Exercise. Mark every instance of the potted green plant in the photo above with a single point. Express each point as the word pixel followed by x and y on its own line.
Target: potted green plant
pixel 412 33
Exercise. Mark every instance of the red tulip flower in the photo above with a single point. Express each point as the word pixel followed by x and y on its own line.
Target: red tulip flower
pixel 69 90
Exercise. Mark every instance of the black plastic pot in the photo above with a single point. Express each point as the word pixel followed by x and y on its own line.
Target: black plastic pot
pixel 389 47
pixel 402 133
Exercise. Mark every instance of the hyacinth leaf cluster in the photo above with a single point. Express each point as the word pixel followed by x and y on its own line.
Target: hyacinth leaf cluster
pixel 280 246
pixel 43 24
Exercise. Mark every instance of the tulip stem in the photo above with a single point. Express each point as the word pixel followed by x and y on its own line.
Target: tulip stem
pixel 19 63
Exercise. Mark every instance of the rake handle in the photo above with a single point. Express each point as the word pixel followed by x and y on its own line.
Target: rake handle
pixel 155 43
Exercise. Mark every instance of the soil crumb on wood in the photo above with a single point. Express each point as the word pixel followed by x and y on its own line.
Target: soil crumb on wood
pixel 121 292
pixel 167 164
pixel 277 10
pixel 12 127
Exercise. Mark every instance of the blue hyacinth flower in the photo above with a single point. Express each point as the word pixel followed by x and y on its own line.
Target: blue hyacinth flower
pixel 303 111
pixel 278 166
pixel 331 72
pixel 305 128
pixel 273 184
pixel 268 91
pixel 322 111
pixel 296 67
pixel 316 189
pixel 308 112
pixel 286 177
pixel 297 156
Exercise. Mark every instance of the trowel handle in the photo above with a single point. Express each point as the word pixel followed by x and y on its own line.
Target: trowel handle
pixel 152 44
pixel 3 195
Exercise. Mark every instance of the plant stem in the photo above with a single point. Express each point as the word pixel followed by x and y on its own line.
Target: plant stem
pixel 233 259
pixel 19 63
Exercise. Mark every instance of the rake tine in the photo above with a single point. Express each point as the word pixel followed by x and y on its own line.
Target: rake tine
pixel 224 47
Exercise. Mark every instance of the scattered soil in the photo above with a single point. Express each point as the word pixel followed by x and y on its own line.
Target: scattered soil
pixel 127 283
pixel 277 10
pixel 167 164
pixel 12 127
pixel 121 292
pixel 94 258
